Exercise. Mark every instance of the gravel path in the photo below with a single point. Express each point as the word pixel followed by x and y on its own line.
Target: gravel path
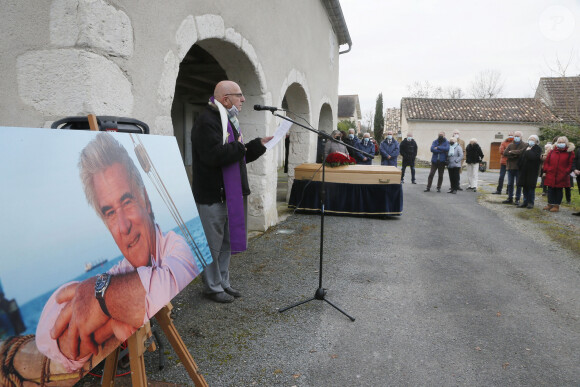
pixel 457 291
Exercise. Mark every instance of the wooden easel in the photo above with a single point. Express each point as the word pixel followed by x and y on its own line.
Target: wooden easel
pixel 137 350
pixel 137 341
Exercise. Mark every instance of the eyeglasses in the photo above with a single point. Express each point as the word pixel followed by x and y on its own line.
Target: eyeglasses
pixel 239 95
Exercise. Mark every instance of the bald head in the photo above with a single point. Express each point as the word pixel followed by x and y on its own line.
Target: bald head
pixel 228 93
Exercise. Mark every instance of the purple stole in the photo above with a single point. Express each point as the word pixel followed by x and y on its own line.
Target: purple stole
pixel 234 198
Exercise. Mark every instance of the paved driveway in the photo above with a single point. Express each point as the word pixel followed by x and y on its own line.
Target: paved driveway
pixel 448 294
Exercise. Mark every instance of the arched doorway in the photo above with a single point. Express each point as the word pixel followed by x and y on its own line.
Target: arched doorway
pixel 325 124
pixel 199 72
pixel 206 63
pixel 295 101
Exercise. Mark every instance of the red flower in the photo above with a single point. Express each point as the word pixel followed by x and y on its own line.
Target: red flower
pixel 336 159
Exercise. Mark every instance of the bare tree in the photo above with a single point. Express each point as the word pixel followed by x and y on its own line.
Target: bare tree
pixel 424 90
pixel 368 120
pixel 487 84
pixel 453 92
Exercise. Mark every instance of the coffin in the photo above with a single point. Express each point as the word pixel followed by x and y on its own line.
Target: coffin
pixel 349 174
pixel 356 190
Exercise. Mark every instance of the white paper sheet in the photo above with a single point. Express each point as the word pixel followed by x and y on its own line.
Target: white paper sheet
pixel 279 134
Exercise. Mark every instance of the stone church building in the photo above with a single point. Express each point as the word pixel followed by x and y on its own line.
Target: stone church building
pixel 159 61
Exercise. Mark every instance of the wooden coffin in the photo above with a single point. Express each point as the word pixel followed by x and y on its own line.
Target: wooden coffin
pixel 349 174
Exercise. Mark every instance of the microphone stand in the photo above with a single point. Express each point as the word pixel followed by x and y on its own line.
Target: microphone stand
pixel 320 293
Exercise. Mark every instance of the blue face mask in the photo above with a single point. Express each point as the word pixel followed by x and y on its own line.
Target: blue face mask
pixel 517 138
pixel 351 136
pixel 532 143
pixel 561 145
pixel 366 140
pixel 390 137
pixel 409 138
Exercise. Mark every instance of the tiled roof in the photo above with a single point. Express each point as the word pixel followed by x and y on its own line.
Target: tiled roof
pixel 477 110
pixel 562 95
pixel 348 105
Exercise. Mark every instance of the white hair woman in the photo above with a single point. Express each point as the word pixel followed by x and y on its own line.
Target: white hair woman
pixel 331 146
pixel 473 158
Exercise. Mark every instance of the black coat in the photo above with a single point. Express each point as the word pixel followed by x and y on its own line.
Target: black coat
pixel 408 149
pixel 529 165
pixel 210 155
pixel 474 154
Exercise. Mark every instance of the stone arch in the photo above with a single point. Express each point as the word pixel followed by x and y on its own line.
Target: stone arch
pixel 325 124
pixel 208 52
pixel 295 98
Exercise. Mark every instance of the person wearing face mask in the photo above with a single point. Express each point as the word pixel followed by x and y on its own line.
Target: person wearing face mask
pixel 503 162
pixel 558 165
pixel 462 145
pixel 529 165
pixel 439 148
pixel 389 150
pixel 367 146
pixel 454 159
pixel 220 183
pixel 332 146
pixel 547 150
pixel 513 152
pixel 352 140
pixel 408 149
pixel 474 157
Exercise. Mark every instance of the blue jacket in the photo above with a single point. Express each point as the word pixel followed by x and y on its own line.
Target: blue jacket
pixel 439 154
pixel 392 150
pixel 369 148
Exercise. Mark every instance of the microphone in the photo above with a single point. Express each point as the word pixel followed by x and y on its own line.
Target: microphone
pixel 270 108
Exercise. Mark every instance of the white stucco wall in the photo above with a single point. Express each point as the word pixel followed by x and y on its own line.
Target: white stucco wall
pixel 74 57
pixel 425 132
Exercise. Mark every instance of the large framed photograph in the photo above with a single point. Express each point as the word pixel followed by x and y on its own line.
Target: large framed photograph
pixel 99 231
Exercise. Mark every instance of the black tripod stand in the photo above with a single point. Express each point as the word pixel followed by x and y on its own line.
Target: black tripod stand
pixel 320 293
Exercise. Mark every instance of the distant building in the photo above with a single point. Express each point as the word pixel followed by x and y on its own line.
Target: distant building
pixel 393 121
pixel 562 95
pixel 488 120
pixel 349 109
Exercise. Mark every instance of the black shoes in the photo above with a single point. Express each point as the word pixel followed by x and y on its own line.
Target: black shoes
pixel 438 189
pixel 221 297
pixel 508 201
pixel 460 189
pixel 413 182
pixel 517 202
pixel 427 189
pixel 496 193
pixel 523 205
pixel 233 292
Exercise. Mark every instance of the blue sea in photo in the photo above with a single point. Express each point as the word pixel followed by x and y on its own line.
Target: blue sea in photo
pixel 32 310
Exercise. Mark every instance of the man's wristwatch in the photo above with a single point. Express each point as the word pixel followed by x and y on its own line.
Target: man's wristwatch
pixel 103 281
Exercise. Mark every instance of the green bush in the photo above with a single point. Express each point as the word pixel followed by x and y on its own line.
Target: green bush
pixel 548 133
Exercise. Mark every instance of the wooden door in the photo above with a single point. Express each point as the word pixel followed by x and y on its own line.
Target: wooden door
pixel 494 157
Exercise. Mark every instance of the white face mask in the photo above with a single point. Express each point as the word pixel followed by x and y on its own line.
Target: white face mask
pixel 456 135
pixel 233 111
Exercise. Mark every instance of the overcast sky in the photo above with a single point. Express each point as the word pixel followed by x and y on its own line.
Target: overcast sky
pixel 448 42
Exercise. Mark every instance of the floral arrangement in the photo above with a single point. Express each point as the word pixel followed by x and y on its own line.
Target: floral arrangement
pixel 336 159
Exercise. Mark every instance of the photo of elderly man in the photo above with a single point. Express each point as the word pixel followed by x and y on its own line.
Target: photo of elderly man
pixel 80 317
